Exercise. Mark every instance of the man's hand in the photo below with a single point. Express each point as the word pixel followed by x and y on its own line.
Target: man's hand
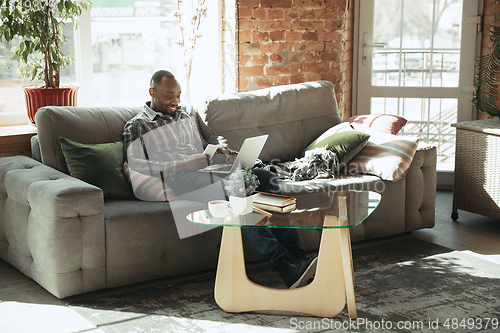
pixel 224 153
pixel 194 162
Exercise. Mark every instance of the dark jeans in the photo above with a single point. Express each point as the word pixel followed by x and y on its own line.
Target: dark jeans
pixel 270 243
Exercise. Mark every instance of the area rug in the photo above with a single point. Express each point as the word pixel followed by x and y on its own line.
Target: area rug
pixel 403 285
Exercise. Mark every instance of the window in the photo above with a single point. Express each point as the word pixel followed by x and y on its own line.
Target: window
pixel 119 45
pixel 12 103
pixel 416 60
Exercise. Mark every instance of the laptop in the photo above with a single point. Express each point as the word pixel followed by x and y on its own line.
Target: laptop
pixel 248 154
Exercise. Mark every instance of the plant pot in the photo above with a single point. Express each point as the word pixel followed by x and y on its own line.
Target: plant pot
pixel 241 205
pixel 40 97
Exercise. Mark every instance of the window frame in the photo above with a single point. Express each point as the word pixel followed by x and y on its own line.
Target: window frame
pixel 84 64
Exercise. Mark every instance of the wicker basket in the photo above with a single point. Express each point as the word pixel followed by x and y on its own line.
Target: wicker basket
pixel 477 168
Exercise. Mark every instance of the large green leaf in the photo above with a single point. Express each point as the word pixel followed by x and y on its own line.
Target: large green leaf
pixel 486 95
pixel 38 23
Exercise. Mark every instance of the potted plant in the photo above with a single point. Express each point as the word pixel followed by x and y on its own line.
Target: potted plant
pixel 241 185
pixel 39 26
pixel 488 69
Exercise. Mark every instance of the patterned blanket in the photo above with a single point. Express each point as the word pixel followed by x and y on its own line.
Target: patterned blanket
pixel 319 163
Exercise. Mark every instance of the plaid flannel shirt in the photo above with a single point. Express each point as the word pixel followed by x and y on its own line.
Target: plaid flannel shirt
pixel 155 143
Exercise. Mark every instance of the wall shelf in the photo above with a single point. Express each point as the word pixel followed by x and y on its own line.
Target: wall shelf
pixel 16 138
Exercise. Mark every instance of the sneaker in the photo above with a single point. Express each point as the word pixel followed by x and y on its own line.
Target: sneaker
pixel 297 253
pixel 296 273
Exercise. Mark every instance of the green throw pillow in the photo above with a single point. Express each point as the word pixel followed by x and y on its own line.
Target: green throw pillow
pixel 98 164
pixel 343 140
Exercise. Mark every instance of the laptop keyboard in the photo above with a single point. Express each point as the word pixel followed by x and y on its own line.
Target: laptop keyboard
pixel 218 167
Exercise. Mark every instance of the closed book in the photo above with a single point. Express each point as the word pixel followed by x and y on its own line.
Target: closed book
pixel 284 209
pixel 276 200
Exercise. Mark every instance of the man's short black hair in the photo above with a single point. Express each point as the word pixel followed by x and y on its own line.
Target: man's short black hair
pixel 158 76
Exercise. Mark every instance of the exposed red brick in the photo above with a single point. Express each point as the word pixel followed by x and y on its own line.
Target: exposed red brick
pixel 277 36
pixel 273 25
pixel 251 71
pixel 335 68
pixel 312 76
pixel 315 67
pixel 295 41
pixel 275 47
pixel 249 48
pixel 297 57
pixel 245 13
pixel 276 58
pixel 329 56
pixel 260 59
pixel 333 25
pixel 316 47
pixel 325 36
pixel 330 77
pixel 309 3
pixel 310 35
pixel 275 14
pixel 308 25
pixel 276 3
pixel 297 78
pixel 342 4
pixel 281 80
pixel 307 15
pixel 292 14
pixel 312 57
pixel 293 36
pixel 283 69
pixel 327 15
pixel 245 36
pixel 249 3
pixel 245 60
pixel 262 81
pixel 251 25
pixel 260 37
pixel 334 47
pixel 259 13
pixel 243 83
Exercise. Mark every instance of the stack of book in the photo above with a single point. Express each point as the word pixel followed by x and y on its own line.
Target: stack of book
pixel 274 202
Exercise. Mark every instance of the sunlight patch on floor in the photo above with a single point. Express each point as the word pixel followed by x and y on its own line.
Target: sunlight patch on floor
pixel 42 318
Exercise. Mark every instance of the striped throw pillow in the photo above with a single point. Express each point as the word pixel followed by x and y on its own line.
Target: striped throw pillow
pixel 385 155
pixel 147 188
pixel 386 123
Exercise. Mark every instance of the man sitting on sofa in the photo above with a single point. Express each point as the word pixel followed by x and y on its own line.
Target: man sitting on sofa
pixel 177 159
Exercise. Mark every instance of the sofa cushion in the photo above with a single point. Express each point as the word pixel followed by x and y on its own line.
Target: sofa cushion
pixel 99 165
pixel 386 123
pixel 343 140
pixel 80 124
pixel 292 115
pixel 385 155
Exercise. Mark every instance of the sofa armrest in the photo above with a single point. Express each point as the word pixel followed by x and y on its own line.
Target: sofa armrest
pixel 420 191
pixel 51 226
pixel 36 154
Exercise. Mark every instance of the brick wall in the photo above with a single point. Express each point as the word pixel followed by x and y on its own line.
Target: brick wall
pixel 292 41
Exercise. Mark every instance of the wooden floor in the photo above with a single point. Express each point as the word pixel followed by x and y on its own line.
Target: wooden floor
pixel 474 233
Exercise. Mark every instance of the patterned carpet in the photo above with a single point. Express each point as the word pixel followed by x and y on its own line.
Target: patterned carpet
pixel 403 285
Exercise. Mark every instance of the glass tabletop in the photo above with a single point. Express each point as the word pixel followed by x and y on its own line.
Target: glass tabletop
pixel 360 204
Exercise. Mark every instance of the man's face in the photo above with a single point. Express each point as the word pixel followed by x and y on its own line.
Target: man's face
pixel 166 96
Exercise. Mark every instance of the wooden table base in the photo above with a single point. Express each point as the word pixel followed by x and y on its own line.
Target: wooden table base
pixel 325 296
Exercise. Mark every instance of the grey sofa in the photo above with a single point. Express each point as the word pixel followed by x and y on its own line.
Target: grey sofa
pixel 60 231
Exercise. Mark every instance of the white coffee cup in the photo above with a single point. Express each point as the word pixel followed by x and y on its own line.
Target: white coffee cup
pixel 218 208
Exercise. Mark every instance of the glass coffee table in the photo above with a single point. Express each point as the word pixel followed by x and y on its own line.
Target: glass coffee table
pixel 333 283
